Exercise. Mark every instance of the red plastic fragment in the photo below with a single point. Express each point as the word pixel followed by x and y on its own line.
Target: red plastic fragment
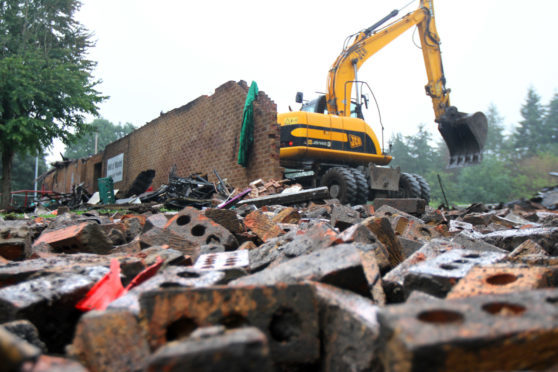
pixel 145 274
pixel 106 290
pixel 109 288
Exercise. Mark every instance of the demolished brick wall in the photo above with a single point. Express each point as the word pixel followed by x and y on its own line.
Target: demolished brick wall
pixel 200 136
pixel 74 172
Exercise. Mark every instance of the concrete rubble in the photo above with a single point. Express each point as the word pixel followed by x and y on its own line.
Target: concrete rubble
pixel 287 282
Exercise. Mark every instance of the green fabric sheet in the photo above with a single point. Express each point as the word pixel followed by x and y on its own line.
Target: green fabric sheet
pixel 247 130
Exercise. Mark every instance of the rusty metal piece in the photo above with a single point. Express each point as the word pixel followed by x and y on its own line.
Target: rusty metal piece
pixel 286 314
pixel 502 279
pixel 516 331
pixel 235 350
pixel 110 341
pixel 86 237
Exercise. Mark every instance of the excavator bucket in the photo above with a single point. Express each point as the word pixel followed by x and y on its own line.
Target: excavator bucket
pixel 465 135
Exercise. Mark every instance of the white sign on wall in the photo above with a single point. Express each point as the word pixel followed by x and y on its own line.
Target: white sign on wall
pixel 115 167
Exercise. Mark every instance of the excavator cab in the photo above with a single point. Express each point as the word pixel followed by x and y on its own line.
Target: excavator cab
pixel 464 134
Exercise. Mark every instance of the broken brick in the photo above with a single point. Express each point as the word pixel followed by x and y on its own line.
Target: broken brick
pixel 408 205
pixel 110 340
pixel 502 279
pixel 48 302
pixel 262 225
pixel 14 351
pixel 243 350
pixel 193 226
pixel 15 239
pixel 342 266
pixel 516 331
pixel 287 215
pixel 86 237
pixel 438 275
pixel 286 314
pixel 349 328
pixel 226 218
pixel 343 216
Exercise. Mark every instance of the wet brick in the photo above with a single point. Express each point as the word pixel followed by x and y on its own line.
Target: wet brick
pixel 342 266
pixel 408 205
pixel 243 350
pixel 438 275
pixel 343 216
pixel 349 329
pixel 516 331
pixel 15 239
pixel 193 226
pixel 110 341
pixel 86 237
pixel 14 351
pixel 502 279
pixel 393 280
pixel 48 302
pixel 169 277
pixel 286 314
pixel 259 223
pixel 226 218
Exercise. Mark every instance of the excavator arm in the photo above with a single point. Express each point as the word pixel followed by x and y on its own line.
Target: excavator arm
pixel 464 134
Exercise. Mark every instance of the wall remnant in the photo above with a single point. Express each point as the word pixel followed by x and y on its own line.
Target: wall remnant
pixel 198 137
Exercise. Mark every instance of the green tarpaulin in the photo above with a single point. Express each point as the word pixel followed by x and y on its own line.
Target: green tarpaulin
pixel 247 131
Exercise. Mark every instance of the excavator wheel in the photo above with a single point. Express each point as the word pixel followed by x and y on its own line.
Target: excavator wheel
pixel 409 187
pixel 362 187
pixel 424 188
pixel 341 184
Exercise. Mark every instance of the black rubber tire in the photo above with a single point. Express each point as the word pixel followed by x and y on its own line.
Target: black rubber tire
pixel 341 184
pixel 362 187
pixel 424 188
pixel 409 187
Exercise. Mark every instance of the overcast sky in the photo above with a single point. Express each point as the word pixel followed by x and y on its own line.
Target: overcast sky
pixel 155 56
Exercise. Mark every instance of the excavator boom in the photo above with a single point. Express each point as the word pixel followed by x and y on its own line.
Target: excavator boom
pixel 464 134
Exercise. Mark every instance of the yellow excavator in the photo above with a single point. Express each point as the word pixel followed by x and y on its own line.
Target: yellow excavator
pixel 328 142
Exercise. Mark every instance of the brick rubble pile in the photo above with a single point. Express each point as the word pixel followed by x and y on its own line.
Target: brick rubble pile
pixel 317 286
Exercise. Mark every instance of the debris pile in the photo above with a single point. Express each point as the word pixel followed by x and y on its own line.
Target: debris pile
pixel 295 284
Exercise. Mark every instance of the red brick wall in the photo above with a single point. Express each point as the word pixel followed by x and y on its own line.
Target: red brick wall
pixel 198 137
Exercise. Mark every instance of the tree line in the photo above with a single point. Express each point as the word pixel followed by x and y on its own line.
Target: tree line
pixel 516 163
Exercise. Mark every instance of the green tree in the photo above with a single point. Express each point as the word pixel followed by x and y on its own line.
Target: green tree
pixel 488 182
pixel 528 136
pixel 24 171
pixel 106 133
pixel 495 138
pixel 46 82
pixel 414 153
pixel 551 125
